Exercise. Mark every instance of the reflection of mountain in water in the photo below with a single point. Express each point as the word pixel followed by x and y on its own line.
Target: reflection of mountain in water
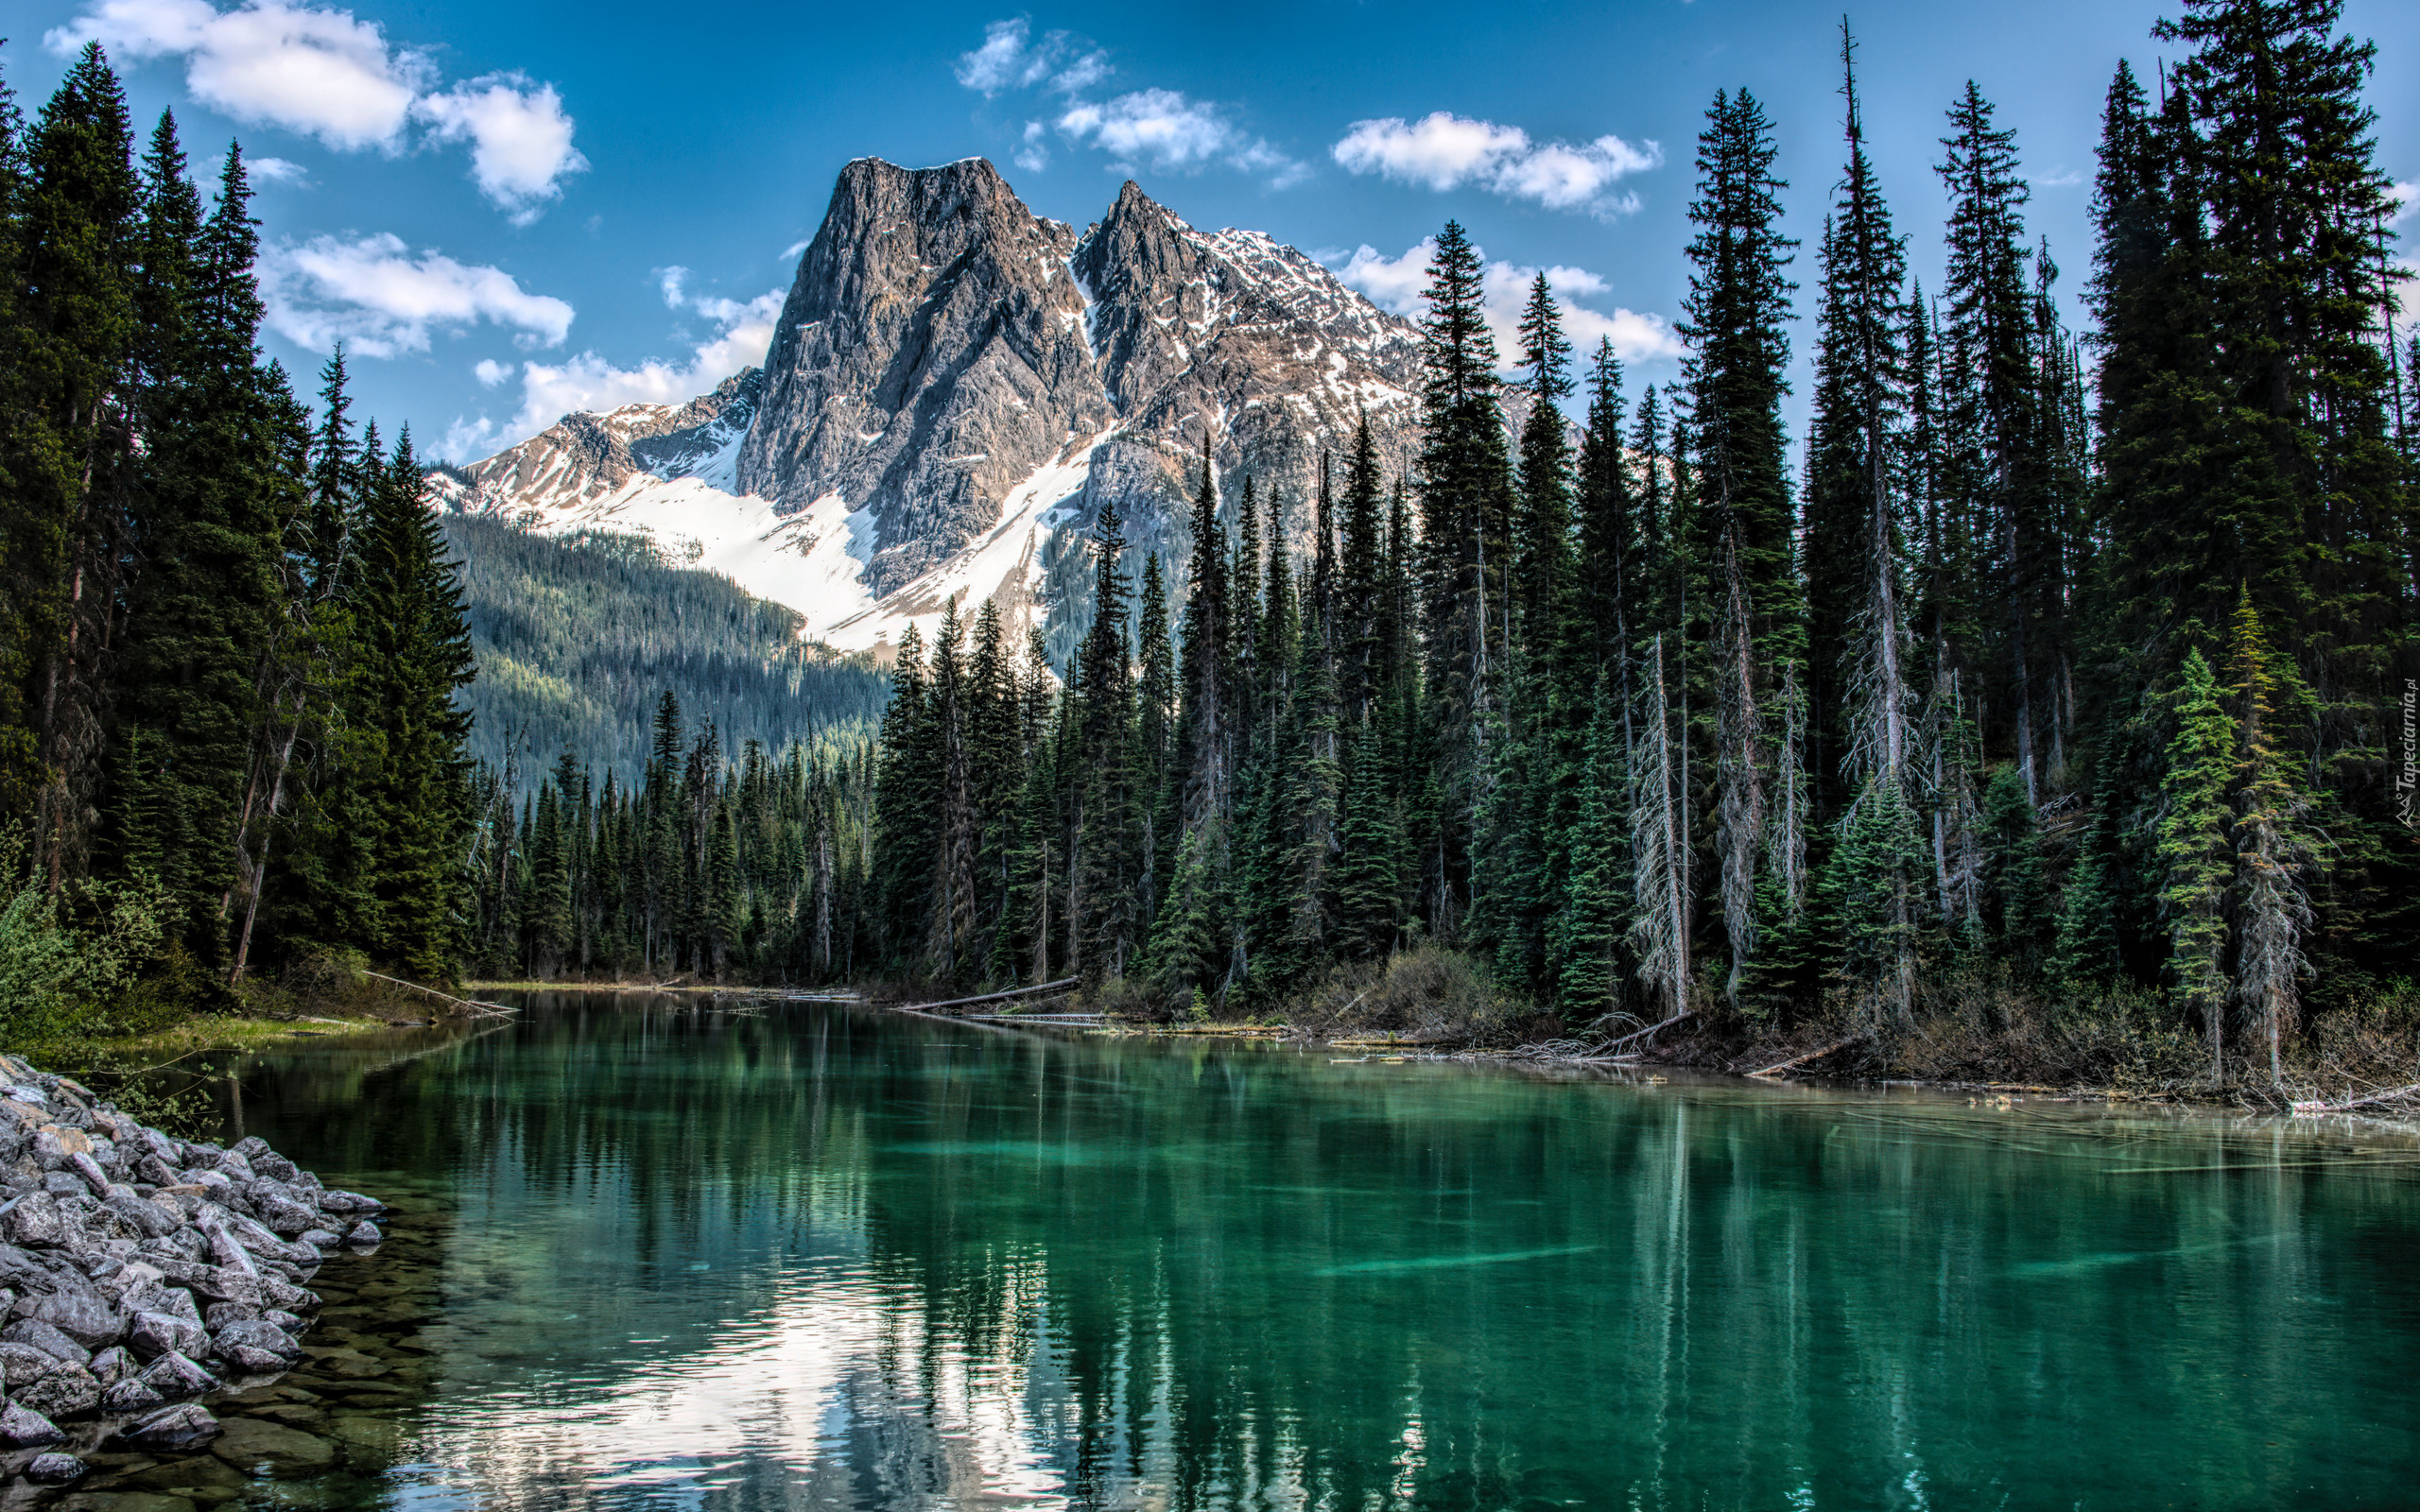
pixel 821 1259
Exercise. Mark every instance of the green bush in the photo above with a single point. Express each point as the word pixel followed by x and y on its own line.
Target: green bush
pixel 67 953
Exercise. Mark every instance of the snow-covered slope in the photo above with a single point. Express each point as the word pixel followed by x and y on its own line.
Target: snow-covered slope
pixel 955 390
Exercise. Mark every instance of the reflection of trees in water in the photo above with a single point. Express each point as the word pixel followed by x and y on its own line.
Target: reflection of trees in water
pixel 1163 1274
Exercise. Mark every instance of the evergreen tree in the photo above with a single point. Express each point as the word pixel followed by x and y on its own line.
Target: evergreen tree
pixel 2195 856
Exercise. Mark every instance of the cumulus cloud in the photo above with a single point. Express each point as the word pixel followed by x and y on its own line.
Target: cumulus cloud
pixel 520 138
pixel 670 281
pixel 1400 283
pixel 1169 133
pixel 1012 58
pixel 323 71
pixel 379 297
pixel 2406 198
pixel 743 330
pixel 490 373
pixel 1443 151
pixel 1160 128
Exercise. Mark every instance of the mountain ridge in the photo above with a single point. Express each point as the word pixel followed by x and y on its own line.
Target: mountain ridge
pixel 955 390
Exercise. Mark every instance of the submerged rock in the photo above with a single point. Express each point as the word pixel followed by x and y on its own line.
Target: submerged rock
pixel 172 1428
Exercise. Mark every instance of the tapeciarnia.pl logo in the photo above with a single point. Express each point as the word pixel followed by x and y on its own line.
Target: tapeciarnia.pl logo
pixel 2408 781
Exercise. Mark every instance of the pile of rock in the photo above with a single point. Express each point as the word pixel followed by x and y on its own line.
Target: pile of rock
pixel 139 1272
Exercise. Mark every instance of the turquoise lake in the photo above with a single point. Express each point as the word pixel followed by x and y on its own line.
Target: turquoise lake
pixel 653 1253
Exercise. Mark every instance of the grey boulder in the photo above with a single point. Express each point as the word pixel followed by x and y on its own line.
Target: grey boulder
pixel 53 1469
pixel 176 1378
pixel 64 1392
pixel 157 1333
pixel 46 1338
pixel 125 1399
pixel 23 1428
pixel 112 1364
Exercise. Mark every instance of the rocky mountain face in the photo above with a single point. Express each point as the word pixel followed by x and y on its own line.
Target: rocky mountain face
pixel 584 458
pixel 957 387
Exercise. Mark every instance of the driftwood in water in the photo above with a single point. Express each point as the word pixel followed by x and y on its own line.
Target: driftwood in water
pixel 1811 1055
pixel 2398 1095
pixel 487 1010
pixel 1060 986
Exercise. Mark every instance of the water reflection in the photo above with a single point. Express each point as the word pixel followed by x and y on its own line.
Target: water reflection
pixel 820 1258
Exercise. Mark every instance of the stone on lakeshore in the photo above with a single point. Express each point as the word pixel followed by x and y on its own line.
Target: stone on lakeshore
pixel 256 1444
pixel 140 1212
pixel 21 1427
pixel 55 1143
pixel 63 1393
pixel 53 1469
pixel 291 1324
pixel 156 1171
pixel 112 1364
pixel 172 1428
pixel 46 1338
pixel 64 1184
pixel 216 1283
pixel 243 1359
pixel 218 1315
pixel 275 1293
pixel 250 1145
pixel 260 1335
pixel 81 1163
pixel 285 1215
pixel 351 1202
pixel 174 1377
pixel 85 1316
pixel 23 1365
pixel 275 1166
pixel 363 1234
pixel 126 1399
pixel 157 1333
pixel 33 1219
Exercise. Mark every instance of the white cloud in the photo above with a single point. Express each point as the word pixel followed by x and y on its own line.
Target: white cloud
pixel 273 170
pixel 2406 198
pixel 671 280
pixel 324 73
pixel 551 390
pixel 1011 58
pixel 1443 151
pixel 380 300
pixel 2064 178
pixel 1170 132
pixel 1033 157
pixel 795 247
pixel 520 138
pixel 1161 129
pixel 1400 285
pixel 1393 284
pixel 491 372
pixel 321 73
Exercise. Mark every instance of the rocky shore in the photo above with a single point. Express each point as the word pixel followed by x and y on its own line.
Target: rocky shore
pixel 141 1273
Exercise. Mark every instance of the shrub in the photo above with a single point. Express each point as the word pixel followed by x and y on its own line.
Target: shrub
pixel 66 954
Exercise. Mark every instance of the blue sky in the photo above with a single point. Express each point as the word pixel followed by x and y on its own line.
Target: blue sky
pixel 513 210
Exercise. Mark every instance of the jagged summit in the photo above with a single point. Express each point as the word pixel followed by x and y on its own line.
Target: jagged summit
pixel 956 386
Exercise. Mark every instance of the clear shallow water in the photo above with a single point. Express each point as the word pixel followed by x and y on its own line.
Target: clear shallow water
pixel 655 1256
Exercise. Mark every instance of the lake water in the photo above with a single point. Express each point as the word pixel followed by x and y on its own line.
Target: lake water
pixel 651 1254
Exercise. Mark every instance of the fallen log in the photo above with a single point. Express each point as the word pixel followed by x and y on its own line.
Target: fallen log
pixel 2347 1106
pixel 1615 1044
pixel 1811 1055
pixel 1060 986
pixel 484 1009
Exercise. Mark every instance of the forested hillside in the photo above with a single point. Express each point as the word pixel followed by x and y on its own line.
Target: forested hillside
pixel 2056 701
pixel 577 637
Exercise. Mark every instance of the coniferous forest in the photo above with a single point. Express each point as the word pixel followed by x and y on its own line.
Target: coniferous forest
pixel 2057 691
pixel 231 642
pixel 2051 691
